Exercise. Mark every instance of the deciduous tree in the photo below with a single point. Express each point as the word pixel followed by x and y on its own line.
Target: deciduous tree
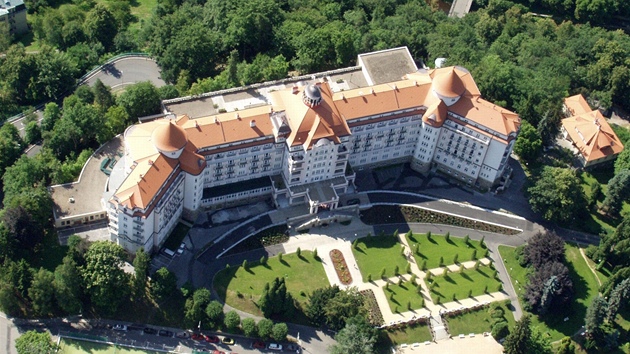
pixel 33 342
pixel 41 293
pixel 163 284
pixel 105 280
pixel 67 286
pixel 557 195
pixel 357 337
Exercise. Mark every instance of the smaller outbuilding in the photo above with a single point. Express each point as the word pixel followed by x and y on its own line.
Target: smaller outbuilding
pixel 589 131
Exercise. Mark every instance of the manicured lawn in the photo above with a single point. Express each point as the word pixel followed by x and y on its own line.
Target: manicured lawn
pixel 432 249
pixel 176 237
pixel 72 346
pixel 301 274
pixel 399 295
pixel 585 288
pixel 418 333
pixel 375 253
pixel 478 321
pixel 460 284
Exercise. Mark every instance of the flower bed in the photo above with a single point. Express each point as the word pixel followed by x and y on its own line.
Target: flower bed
pixel 270 236
pixel 404 214
pixel 341 267
pixel 375 317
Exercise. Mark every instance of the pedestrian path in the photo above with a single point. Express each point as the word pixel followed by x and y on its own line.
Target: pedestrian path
pixel 340 237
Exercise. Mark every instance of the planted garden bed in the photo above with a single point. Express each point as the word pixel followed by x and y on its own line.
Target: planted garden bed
pixel 406 214
pixel 341 267
pixel 375 317
pixel 267 237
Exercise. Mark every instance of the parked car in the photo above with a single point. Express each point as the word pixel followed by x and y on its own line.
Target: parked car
pixel 149 330
pixel 197 336
pixel 165 333
pixel 275 346
pixel 353 201
pixel 119 327
pixel 182 335
pixel 212 339
pixel 259 344
pixel 227 340
pixel 293 347
pixel 181 248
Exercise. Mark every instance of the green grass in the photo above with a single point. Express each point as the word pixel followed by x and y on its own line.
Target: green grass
pixel 431 250
pixel 399 295
pixel 478 321
pixel 375 253
pixel 72 346
pixel 599 222
pixel 176 237
pixel 388 338
pixel 301 274
pixel 142 9
pixel 459 284
pixel 585 288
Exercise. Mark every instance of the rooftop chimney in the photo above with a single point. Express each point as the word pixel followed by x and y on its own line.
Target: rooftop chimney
pixel 252 123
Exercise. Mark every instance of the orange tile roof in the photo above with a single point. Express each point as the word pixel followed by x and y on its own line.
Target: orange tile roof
pixel 577 105
pixel 369 101
pixel 169 137
pixel 144 181
pixel 436 114
pixel 487 114
pixel 448 83
pixel 309 124
pixel 228 127
pixel 592 135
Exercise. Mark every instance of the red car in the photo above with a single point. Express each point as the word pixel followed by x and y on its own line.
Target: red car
pixel 197 336
pixel 259 345
pixel 212 339
pixel 218 352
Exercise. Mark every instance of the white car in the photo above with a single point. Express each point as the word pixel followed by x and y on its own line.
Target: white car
pixel 181 248
pixel 274 346
pixel 119 327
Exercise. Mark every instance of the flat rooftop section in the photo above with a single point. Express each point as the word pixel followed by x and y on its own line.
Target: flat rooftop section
pixel 88 190
pixel 255 95
pixel 387 65
pixel 200 107
pixel 232 188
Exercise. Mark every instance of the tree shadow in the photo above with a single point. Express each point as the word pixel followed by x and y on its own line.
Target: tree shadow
pixel 465 276
pixel 285 263
pixel 480 271
pixel 449 279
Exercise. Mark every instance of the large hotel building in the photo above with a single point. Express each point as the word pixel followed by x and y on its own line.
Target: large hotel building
pixel 299 140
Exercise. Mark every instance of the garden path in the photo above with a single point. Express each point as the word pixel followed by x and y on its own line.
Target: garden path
pixel 430 310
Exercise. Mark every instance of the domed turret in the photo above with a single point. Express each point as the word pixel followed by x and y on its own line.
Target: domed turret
pixel 169 139
pixel 312 96
pixel 448 86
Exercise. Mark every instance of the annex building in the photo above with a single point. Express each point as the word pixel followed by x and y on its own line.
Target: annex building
pixel 589 132
pixel 298 141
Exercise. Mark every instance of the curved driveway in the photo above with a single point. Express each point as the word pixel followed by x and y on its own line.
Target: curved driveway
pixel 127 71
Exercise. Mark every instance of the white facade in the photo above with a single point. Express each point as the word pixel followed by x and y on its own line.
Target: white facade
pixel 302 148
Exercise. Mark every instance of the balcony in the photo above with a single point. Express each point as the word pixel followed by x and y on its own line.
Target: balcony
pixel 342 148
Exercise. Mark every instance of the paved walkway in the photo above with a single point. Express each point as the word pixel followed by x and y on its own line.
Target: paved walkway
pixel 320 238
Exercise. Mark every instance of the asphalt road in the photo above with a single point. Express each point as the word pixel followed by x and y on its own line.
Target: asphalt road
pixel 123 72
pixel 128 71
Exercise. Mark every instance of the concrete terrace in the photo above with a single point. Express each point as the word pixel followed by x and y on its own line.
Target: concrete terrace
pixel 87 191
